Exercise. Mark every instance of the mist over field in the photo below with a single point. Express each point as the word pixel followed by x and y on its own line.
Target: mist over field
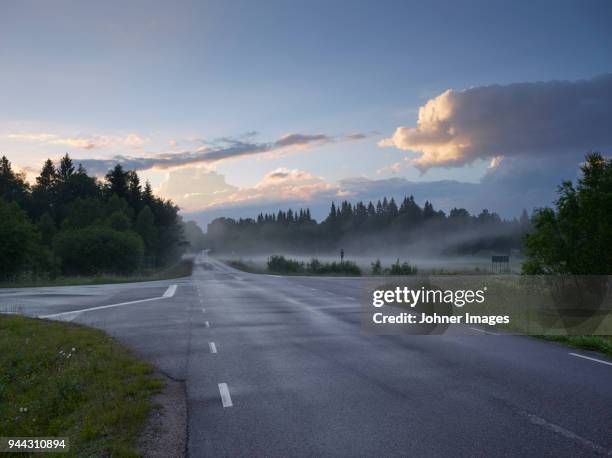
pixel 421 236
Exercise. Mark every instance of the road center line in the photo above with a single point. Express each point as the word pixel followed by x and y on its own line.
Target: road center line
pixel 591 359
pixel 71 315
pixel 213 347
pixel 226 399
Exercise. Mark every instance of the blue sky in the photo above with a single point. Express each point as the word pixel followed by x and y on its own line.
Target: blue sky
pixel 149 79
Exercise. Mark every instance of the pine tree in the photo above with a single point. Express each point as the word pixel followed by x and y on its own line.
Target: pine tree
pixel 48 176
pixel 117 181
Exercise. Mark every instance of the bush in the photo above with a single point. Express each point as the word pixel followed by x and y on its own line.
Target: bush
pixel 326 268
pixel 280 264
pixel 376 267
pixel 95 250
pixel 401 269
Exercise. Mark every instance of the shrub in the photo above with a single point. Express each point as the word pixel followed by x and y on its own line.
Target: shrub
pixel 325 268
pixel 280 264
pixel 94 250
pixel 376 267
pixel 401 269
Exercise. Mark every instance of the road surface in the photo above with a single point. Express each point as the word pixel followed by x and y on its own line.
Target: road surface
pixel 278 366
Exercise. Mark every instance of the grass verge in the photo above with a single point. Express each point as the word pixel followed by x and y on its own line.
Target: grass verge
pixel 63 379
pixel 181 269
pixel 602 344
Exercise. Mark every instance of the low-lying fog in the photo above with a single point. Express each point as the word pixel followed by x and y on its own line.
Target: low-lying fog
pixel 431 264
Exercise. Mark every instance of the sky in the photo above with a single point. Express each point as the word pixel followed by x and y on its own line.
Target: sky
pixel 232 107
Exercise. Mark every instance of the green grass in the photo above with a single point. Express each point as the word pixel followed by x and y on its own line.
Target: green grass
pixel 181 269
pixel 63 379
pixel 602 344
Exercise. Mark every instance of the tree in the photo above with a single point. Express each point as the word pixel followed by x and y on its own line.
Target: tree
pixel 48 176
pixel 117 181
pixel 13 187
pixel 145 227
pixel 119 221
pixel 134 193
pixel 576 238
pixel 65 170
pixel 18 239
pixel 96 250
pixel 46 227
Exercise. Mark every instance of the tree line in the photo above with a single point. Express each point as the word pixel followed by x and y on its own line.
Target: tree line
pixel 69 222
pixel 374 225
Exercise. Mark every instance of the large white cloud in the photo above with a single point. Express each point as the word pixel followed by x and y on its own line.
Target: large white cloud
pixel 556 118
pixel 200 189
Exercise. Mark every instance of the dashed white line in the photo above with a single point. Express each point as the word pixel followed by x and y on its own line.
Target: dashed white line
pixel 203 310
pixel 207 324
pixel 591 359
pixel 226 399
pixel 213 347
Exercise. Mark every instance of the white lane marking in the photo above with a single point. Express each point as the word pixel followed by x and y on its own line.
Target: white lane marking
pixel 568 434
pixel 591 359
pixel 207 324
pixel 71 315
pixel 213 347
pixel 226 399
pixel 170 291
pixel 203 310
pixel 350 298
pixel 485 332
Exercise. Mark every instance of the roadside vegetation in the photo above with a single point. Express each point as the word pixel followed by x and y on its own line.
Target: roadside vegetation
pixel 67 380
pixel 395 269
pixel 575 237
pixel 180 269
pixel 281 265
pixel 71 224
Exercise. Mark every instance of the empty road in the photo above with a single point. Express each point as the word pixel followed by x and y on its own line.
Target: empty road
pixel 279 366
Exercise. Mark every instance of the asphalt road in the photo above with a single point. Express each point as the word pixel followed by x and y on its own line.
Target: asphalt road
pixel 278 366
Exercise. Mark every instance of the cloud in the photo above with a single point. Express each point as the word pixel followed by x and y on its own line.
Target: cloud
pixel 220 150
pixel 542 119
pixel 200 189
pixel 302 140
pixel 396 167
pixel 195 187
pixel 86 142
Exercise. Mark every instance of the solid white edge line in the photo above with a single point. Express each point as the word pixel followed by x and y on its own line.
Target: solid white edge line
pixel 226 399
pixel 213 347
pixel 569 435
pixel 169 293
pixel 591 359
pixel 485 332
